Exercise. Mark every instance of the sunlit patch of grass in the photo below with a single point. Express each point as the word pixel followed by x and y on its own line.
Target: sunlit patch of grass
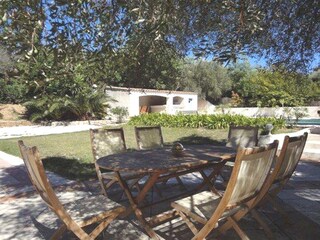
pixel 70 155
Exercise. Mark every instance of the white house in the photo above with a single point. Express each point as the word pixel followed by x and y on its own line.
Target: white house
pixel 139 100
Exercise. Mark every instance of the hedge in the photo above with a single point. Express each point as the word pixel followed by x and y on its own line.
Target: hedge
pixel 216 121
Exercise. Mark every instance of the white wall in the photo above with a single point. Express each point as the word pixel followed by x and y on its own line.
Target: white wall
pixel 255 111
pixel 266 139
pixel 131 100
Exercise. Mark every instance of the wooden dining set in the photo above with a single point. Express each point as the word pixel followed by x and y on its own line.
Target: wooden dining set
pixel 252 175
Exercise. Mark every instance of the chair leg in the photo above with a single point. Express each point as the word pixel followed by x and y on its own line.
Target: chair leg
pixel 105 187
pixel 238 230
pixel 255 214
pixel 188 222
pixel 58 233
pixel 157 190
pixel 278 208
pixel 222 174
pixel 102 226
pixel 78 231
pixel 180 182
pixel 164 182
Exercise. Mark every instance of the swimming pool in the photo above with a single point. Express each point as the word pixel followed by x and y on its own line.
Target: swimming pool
pixel 309 121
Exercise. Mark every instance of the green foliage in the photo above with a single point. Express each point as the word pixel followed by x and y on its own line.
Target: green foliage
pixel 120 112
pixel 209 79
pixel 62 48
pixel 141 65
pixel 274 87
pixel 229 29
pixel 85 106
pixel 218 121
pixel 315 76
pixel 12 91
pixel 67 93
pixel 293 114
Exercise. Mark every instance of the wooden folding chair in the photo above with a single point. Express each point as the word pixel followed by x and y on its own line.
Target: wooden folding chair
pixel 242 136
pixel 291 153
pixel 76 215
pixel 238 136
pixel 282 171
pixel 151 137
pixel 106 142
pixel 252 166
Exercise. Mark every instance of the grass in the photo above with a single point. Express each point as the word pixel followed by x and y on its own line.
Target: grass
pixel 70 155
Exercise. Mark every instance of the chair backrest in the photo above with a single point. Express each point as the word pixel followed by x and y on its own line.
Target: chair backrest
pixel 38 177
pixel 291 152
pixel 242 136
pixel 149 137
pixel 251 169
pixel 107 141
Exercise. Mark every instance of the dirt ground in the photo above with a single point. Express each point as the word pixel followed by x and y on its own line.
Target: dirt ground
pixel 11 115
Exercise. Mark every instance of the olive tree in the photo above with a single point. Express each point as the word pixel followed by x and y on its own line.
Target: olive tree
pixel 209 79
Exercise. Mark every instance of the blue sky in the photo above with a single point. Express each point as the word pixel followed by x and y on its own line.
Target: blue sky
pixel 261 62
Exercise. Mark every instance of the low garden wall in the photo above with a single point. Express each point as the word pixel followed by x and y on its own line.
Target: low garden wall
pixel 311 112
pixel 265 139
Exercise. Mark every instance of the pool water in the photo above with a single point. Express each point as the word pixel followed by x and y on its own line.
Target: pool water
pixel 311 121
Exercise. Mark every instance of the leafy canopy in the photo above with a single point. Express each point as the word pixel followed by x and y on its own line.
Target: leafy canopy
pixel 286 32
pixel 209 79
pixel 63 48
pixel 272 87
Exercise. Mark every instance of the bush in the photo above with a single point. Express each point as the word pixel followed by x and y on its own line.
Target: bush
pixel 293 114
pixel 120 112
pixel 218 121
pixel 81 107
pixel 12 91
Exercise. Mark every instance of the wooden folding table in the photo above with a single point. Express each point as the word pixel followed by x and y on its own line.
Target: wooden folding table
pixel 160 164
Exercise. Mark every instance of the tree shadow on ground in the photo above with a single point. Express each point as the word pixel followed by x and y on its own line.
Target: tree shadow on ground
pixel 70 168
pixel 198 140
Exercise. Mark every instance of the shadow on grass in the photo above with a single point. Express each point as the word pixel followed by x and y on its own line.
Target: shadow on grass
pixel 70 168
pixel 197 140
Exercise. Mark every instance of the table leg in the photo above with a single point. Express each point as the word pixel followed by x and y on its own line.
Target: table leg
pixel 134 201
pixel 207 180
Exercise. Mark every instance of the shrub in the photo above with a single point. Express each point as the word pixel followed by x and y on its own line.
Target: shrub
pixel 218 121
pixel 120 112
pixel 12 91
pixel 293 114
pixel 81 107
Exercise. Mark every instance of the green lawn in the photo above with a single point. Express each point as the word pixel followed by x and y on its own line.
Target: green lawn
pixel 70 154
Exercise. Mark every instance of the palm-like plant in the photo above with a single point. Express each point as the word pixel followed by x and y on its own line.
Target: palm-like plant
pixel 87 106
pixel 84 106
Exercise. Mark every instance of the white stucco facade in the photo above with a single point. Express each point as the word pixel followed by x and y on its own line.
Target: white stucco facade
pixel 139 100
